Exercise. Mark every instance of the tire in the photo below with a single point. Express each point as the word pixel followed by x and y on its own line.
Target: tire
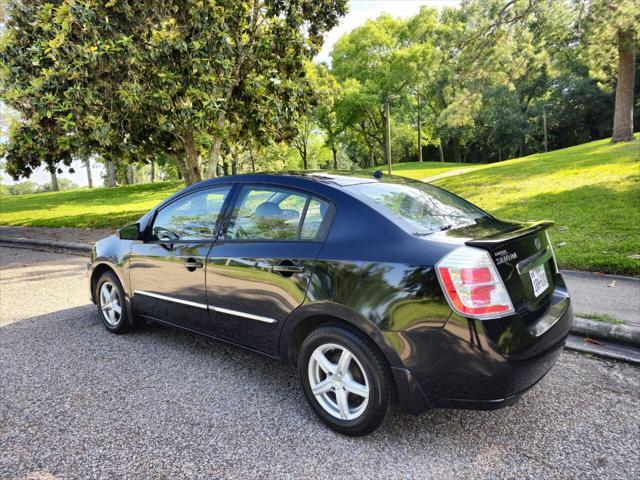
pixel 109 303
pixel 366 408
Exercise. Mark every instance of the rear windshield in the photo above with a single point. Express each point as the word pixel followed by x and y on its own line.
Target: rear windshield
pixel 420 208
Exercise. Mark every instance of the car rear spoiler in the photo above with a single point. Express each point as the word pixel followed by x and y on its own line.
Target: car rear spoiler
pixel 503 237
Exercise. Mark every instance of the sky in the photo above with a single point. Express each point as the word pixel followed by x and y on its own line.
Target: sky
pixel 359 12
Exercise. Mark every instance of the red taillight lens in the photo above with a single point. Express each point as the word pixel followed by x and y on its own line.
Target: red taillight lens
pixel 471 276
pixel 472 285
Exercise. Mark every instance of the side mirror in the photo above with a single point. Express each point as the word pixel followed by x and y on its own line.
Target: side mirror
pixel 130 232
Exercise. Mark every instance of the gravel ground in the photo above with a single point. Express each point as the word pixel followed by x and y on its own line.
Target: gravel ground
pixel 78 402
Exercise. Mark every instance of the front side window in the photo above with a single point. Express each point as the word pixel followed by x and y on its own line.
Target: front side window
pixel 192 217
pixel 270 213
pixel 420 208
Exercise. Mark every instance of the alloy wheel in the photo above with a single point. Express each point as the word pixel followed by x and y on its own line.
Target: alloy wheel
pixel 110 304
pixel 338 381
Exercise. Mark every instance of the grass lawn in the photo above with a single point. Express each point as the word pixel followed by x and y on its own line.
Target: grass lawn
pixel 419 171
pixel 592 191
pixel 92 208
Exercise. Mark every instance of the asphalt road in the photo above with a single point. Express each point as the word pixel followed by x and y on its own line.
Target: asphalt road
pixel 78 402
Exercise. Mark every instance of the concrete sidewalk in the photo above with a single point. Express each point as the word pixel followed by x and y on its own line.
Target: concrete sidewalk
pixel 612 295
pixel 592 294
pixel 63 234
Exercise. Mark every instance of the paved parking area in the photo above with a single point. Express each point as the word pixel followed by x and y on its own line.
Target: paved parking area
pixel 78 402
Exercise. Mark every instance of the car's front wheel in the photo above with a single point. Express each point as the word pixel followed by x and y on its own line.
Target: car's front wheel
pixel 109 297
pixel 346 380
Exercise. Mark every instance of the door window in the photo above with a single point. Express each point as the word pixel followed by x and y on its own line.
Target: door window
pixel 192 217
pixel 264 213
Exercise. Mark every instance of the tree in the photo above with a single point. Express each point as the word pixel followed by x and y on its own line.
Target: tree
pixel 62 184
pixel 23 188
pixel 302 139
pixel 122 79
pixel 374 62
pixel 611 34
pixel 87 166
pixel 329 93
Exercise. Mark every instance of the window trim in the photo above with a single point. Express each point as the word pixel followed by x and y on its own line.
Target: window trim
pixel 323 230
pixel 146 237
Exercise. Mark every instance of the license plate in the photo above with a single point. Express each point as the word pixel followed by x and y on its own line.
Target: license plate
pixel 539 280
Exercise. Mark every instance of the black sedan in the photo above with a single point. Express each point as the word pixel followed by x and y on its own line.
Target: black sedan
pixel 378 288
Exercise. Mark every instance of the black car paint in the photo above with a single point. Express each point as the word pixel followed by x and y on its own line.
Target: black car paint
pixel 367 272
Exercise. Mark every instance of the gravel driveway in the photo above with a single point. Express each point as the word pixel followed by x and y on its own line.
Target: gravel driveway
pixel 78 402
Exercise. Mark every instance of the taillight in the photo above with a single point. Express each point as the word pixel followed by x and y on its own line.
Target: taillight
pixel 472 284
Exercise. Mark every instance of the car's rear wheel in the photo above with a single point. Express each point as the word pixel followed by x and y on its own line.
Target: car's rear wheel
pixel 346 380
pixel 109 297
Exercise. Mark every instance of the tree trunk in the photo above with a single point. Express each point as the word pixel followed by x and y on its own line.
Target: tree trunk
pixel 234 166
pixel 372 162
pixel 87 164
pixel 192 172
pixel 623 115
pixel 455 146
pixel 129 175
pixel 111 174
pixel 225 168
pixel 521 148
pixel 216 148
pixel 305 161
pixel 214 158
pixel 440 152
pixel 152 171
pixel 54 181
pixel 253 161
pixel 334 152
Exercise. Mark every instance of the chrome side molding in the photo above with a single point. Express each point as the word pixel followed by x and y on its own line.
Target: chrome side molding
pixel 205 306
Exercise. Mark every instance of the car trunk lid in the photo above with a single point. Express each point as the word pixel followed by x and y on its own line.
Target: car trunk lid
pixel 524 259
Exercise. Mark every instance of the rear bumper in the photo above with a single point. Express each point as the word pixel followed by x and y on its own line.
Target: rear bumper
pixel 482 365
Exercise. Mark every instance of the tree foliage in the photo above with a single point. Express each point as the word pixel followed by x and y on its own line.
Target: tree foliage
pixel 482 73
pixel 129 79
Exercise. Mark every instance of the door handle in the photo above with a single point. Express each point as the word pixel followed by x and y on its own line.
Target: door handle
pixel 191 264
pixel 287 268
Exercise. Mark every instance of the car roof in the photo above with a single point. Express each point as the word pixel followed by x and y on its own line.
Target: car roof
pixel 338 179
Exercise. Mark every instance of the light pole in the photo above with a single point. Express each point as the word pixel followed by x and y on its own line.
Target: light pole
pixel 387 115
pixel 544 124
pixel 419 130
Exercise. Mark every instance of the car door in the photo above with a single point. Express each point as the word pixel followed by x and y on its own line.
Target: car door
pixel 258 272
pixel 167 271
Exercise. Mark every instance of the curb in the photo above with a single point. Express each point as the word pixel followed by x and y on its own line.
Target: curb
pixel 586 274
pixel 606 331
pixel 34 242
pixel 610 350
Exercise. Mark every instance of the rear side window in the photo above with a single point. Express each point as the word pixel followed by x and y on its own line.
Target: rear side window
pixel 266 213
pixel 420 208
pixel 316 212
